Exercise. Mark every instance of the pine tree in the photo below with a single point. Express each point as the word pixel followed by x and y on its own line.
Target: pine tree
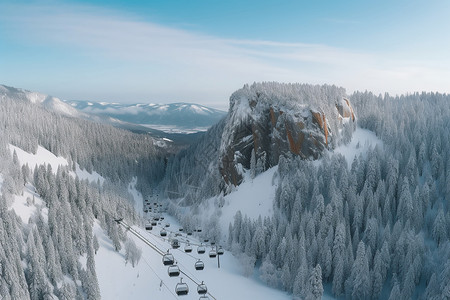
pixel 395 292
pixel 440 227
pixel 360 274
pixel 95 244
pixel 315 288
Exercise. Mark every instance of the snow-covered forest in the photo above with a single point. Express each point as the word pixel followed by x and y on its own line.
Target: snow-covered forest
pixel 39 258
pixel 377 227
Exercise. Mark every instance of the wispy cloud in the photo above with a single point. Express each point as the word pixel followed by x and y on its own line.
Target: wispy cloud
pixel 206 64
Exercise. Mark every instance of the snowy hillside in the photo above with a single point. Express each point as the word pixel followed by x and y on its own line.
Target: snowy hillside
pixel 365 218
pixel 120 280
pixel 48 102
pixel 170 118
pixel 368 219
pixel 254 198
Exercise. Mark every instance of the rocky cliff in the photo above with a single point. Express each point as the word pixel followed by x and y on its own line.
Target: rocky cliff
pixel 272 119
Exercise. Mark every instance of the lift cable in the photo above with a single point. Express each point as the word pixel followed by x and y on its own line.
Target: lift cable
pixel 154 247
pixel 140 236
pixel 162 282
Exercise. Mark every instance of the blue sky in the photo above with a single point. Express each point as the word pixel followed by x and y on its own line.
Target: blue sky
pixel 202 51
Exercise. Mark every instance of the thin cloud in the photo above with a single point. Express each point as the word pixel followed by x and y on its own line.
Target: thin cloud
pixel 199 63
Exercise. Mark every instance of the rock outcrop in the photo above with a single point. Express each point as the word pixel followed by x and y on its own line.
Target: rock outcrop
pixel 274 119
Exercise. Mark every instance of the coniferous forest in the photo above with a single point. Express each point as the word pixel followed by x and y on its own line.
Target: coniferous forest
pixel 377 227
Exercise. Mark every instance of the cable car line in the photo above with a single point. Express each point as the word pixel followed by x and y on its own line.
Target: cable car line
pixel 160 252
pixel 162 281
pixel 140 236
pixel 198 284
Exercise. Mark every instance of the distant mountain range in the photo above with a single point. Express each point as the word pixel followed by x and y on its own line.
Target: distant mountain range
pixel 170 118
pixel 179 123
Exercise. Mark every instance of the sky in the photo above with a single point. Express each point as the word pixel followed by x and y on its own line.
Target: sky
pixel 202 51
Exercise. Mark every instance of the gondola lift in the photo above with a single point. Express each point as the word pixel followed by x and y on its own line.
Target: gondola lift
pixel 199 265
pixel 212 253
pixel 168 259
pixel 188 248
pixel 175 244
pixel 181 288
pixel 202 289
pixel 201 249
pixel 173 271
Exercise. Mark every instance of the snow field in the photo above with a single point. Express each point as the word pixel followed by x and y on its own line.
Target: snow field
pixel 362 141
pixel 43 156
pixel 253 198
pixel 118 280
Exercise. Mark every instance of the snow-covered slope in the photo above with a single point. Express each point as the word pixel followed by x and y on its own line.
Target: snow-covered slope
pixel 48 102
pixel 43 156
pixel 149 278
pixel 362 141
pixel 120 280
pixel 254 197
pixel 172 118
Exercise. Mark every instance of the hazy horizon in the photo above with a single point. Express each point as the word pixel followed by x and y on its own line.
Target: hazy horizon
pixel 201 52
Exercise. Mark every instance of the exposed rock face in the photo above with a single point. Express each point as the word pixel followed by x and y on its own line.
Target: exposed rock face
pixel 345 109
pixel 274 119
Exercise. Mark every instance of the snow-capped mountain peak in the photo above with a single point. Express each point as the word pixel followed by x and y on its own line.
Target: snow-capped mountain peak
pixel 48 102
pixel 179 115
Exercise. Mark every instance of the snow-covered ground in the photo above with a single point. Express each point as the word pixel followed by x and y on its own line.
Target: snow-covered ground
pixel 149 279
pixel 43 156
pixel 175 129
pixel 362 141
pixel 25 205
pixel 253 197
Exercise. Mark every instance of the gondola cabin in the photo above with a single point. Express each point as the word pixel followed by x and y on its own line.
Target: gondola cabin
pixel 199 265
pixel 201 249
pixel 202 289
pixel 168 259
pixel 163 232
pixel 173 271
pixel 154 223
pixel 148 227
pixel 220 251
pixel 175 244
pixel 188 248
pixel 181 288
pixel 212 253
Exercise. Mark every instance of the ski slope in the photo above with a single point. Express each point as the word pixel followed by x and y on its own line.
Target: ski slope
pixel 149 278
